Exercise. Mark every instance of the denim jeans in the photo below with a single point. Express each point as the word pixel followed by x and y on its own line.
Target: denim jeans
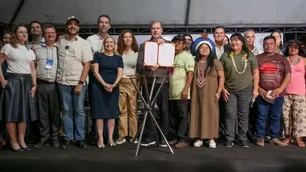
pixel 274 111
pixel 73 108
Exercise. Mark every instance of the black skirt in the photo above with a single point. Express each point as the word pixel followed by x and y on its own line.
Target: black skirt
pixel 16 101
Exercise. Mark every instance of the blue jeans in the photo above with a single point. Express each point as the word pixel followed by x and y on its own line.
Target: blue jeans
pixel 73 108
pixel 274 111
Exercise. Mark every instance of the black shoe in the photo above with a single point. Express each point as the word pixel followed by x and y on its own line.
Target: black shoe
pixel 162 143
pixel 82 144
pixel 41 143
pixel 55 143
pixel 229 144
pixel 26 149
pixel 66 144
pixel 147 142
pixel 244 144
pixel 17 150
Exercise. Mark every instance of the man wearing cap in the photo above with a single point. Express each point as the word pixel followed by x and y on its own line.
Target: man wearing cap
pixel 74 61
pixel 274 76
pixel 180 79
pixel 163 97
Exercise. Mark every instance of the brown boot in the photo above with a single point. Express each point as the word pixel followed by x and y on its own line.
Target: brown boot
pixel 278 142
pixel 260 142
pixel 181 145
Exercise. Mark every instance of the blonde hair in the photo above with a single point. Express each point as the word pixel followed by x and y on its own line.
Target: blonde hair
pixel 103 46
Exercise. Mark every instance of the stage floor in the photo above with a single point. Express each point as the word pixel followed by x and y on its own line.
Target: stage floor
pixel 121 158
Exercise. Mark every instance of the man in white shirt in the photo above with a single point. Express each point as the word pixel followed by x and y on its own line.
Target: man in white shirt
pixel 96 40
pixel 249 36
pixel 46 93
pixel 219 35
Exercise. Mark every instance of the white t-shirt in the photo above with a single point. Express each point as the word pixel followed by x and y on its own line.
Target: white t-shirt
pixel 95 42
pixel 18 59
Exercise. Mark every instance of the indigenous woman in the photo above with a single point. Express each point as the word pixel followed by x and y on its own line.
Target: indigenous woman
pixel 206 89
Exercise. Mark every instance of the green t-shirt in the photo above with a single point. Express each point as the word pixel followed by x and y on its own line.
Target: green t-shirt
pixel 183 63
pixel 233 80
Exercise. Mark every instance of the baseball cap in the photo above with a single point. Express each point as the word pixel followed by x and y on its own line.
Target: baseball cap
pixel 73 18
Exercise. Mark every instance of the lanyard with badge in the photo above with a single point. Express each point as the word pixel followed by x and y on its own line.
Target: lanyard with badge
pixel 49 62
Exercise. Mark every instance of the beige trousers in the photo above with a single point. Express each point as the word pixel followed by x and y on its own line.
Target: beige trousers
pixel 294 115
pixel 127 109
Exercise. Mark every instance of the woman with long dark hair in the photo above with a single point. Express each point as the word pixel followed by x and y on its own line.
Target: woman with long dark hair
pixel 206 89
pixel 5 39
pixel 128 49
pixel 294 111
pixel 240 88
pixel 19 88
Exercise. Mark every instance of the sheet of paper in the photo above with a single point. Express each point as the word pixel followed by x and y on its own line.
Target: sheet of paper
pixel 150 53
pixel 166 54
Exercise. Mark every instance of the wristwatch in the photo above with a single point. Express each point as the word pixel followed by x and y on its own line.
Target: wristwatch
pixel 81 82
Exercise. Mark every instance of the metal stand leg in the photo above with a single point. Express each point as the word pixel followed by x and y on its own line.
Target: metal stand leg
pixel 149 106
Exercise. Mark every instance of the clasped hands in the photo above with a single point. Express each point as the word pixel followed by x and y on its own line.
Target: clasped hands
pixel 108 87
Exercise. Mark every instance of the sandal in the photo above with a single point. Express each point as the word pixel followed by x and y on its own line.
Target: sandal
pixel 300 143
pixel 287 140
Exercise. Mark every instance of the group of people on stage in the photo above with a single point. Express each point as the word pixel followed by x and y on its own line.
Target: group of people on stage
pixel 211 84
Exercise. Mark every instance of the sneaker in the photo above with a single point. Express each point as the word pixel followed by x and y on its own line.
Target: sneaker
pixel 136 140
pixel 120 141
pixel 162 143
pixel 181 145
pixel 260 142
pixel 198 143
pixel 147 142
pixel 212 144
pixel 244 144
pixel 229 144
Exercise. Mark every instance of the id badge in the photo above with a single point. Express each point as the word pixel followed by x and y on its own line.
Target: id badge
pixel 49 64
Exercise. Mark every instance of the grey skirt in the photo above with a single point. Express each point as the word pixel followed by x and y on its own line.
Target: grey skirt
pixel 16 102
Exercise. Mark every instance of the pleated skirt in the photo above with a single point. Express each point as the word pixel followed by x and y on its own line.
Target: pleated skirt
pixel 16 102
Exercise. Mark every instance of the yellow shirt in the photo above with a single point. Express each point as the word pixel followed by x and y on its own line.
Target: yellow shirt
pixel 183 63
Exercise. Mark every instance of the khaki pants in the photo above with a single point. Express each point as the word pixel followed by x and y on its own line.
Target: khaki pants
pixel 294 115
pixel 127 109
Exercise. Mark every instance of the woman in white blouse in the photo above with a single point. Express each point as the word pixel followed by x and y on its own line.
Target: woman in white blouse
pixel 19 89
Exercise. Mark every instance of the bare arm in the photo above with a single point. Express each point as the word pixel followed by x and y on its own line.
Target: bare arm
pixel 97 74
pixel 33 75
pixel 285 81
pixel 221 80
pixel 255 83
pixel 119 76
pixel 86 67
pixel 189 80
